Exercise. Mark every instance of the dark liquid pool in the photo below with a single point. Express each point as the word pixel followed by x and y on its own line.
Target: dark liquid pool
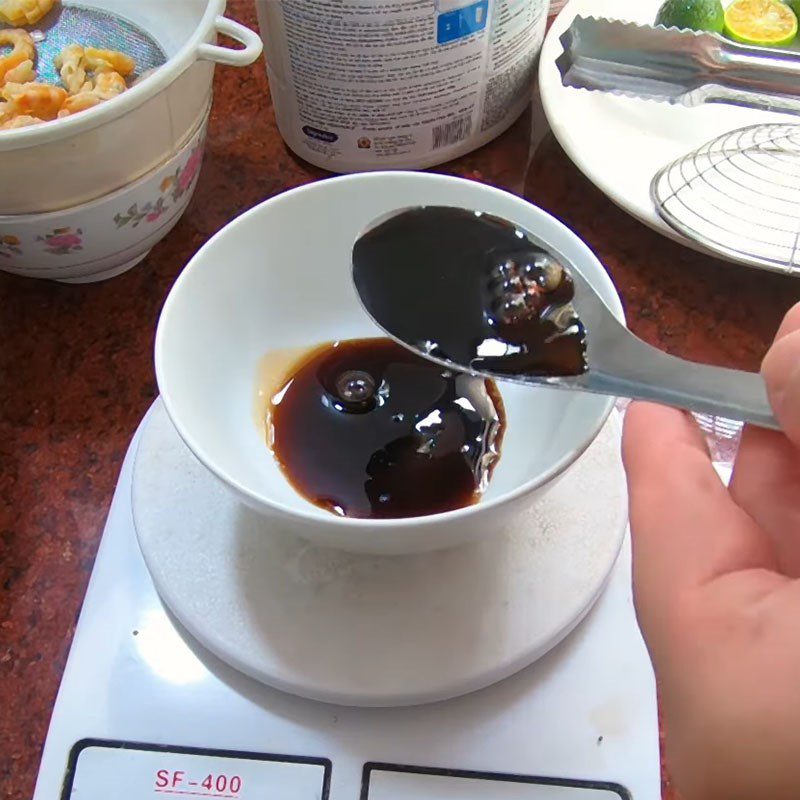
pixel 365 428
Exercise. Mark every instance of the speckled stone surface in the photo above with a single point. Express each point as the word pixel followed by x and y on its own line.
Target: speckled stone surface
pixel 76 370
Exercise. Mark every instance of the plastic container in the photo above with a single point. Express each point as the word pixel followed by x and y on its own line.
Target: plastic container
pixel 406 84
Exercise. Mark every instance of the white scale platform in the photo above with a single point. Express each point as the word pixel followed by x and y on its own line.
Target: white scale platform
pixel 146 711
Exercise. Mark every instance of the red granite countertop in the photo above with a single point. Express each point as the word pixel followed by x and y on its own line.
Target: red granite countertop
pixel 76 368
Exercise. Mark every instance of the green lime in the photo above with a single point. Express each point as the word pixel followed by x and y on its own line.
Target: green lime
pixel 696 15
pixel 760 22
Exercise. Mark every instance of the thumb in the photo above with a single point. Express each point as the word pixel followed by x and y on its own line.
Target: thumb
pixel 781 371
pixel 687 531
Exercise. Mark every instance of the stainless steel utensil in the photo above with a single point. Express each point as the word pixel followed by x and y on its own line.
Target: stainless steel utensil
pixel 619 363
pixel 739 195
pixel 676 66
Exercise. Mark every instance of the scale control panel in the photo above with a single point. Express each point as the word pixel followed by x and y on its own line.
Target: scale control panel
pixel 135 771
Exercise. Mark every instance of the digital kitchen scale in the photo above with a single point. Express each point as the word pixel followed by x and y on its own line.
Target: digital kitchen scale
pixel 146 711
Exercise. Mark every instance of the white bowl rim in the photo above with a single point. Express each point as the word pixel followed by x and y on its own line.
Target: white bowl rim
pixel 25 219
pixel 443 518
pixel 129 100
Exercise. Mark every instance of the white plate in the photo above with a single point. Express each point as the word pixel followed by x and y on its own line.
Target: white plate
pixel 620 143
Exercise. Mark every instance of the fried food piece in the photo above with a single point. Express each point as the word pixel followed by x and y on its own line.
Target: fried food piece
pixel 23 73
pixel 79 102
pixel 22 121
pixel 35 99
pixel 70 64
pixel 92 76
pixel 24 12
pixel 23 50
pixel 108 61
pixel 109 84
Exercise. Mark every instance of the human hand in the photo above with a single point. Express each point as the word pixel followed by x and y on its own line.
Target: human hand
pixel 716 574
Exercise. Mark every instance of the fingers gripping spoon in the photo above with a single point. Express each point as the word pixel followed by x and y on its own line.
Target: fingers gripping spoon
pixel 479 294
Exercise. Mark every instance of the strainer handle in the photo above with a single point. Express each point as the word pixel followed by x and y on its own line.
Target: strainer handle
pixel 226 55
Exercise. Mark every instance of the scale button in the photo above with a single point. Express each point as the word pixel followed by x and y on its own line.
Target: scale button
pixel 390 782
pixel 132 771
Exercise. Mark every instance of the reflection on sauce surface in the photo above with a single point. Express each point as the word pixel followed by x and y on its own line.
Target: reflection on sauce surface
pixel 365 428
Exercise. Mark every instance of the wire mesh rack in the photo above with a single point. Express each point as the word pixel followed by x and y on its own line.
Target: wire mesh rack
pixel 739 196
pixel 93 27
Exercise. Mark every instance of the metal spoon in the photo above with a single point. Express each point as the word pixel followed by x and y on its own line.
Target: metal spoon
pixel 429 277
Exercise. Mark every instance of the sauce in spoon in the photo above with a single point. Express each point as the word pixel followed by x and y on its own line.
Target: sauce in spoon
pixel 471 290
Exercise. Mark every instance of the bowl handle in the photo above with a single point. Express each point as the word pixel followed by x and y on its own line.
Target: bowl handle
pixel 226 55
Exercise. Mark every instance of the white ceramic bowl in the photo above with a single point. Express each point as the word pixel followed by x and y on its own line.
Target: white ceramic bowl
pixel 278 277
pixel 69 161
pixel 103 238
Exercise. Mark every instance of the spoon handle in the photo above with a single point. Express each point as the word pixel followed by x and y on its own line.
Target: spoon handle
pixel 632 368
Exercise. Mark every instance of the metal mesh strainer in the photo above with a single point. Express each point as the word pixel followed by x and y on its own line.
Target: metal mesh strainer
pixel 93 27
pixel 739 195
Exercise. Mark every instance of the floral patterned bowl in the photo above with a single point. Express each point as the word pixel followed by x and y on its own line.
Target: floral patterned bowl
pixel 103 238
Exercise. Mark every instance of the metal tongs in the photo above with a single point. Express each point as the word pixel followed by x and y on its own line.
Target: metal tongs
pixel 677 66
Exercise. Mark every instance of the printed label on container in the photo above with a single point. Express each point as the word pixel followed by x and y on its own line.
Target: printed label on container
pixel 400 82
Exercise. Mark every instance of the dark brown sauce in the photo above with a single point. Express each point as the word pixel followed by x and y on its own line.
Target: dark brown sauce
pixel 472 290
pixel 365 428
